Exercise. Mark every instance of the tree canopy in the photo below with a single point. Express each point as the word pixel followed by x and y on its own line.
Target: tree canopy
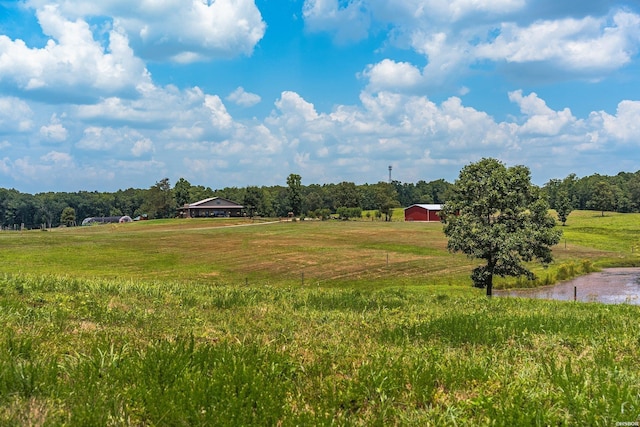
pixel 294 194
pixel 68 216
pixel 494 213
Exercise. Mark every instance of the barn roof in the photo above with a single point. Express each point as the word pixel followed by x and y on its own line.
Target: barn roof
pixel 429 207
pixel 215 202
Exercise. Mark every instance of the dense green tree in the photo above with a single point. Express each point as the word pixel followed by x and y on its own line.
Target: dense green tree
pixel 562 205
pixel 405 192
pixel 276 200
pixel 7 198
pixel 633 187
pixel 199 192
pixel 254 201
pixel 49 208
pixel 312 201
pixel 551 189
pixel 430 192
pixel 159 201
pixel 323 214
pixel 17 209
pixel 557 194
pixel 129 201
pixel 497 215
pixel 368 197
pixel 68 217
pixel 182 192
pixel 234 194
pixel 346 213
pixel 24 210
pixel 294 193
pixel 386 199
pixel 83 203
pixel 346 195
pixel 423 193
pixel 602 197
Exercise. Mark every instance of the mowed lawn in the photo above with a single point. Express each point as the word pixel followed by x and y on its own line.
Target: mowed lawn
pixel 231 322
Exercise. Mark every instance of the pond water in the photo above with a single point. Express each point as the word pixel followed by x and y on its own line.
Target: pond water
pixel 610 286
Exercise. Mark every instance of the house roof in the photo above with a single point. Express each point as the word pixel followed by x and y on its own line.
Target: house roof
pixel 429 207
pixel 215 203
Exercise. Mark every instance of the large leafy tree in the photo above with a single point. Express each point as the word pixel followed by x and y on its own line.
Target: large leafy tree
pixel 603 197
pixel 563 205
pixel 181 192
pixel 158 202
pixel 254 201
pixel 494 213
pixel 386 199
pixel 68 216
pixel 294 193
pixel 50 208
pixel 346 195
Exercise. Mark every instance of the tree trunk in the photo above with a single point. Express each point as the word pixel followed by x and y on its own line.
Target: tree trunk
pixel 490 266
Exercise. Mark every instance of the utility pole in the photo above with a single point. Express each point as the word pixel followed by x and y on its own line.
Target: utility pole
pixel 390 167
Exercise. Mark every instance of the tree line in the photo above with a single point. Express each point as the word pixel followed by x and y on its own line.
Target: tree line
pixel 346 199
pixel 619 193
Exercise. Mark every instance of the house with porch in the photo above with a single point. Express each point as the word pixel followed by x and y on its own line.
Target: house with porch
pixel 213 207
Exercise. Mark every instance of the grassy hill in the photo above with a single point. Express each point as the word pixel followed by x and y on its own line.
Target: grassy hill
pixel 227 322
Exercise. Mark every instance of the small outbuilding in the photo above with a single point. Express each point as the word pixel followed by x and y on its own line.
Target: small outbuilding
pixel 422 212
pixel 211 208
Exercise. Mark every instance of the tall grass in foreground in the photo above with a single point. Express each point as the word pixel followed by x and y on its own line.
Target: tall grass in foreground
pixel 89 352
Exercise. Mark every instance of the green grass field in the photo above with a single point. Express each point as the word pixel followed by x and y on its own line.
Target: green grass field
pixel 227 322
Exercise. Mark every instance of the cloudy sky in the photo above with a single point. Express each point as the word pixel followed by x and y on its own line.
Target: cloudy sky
pixel 111 94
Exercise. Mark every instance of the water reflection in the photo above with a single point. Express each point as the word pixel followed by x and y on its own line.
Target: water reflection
pixel 611 286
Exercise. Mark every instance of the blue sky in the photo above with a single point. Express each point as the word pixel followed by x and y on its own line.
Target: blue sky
pixel 116 94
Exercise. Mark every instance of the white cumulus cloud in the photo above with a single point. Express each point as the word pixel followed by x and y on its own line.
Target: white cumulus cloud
pixel 293 103
pixel 453 36
pixel 72 64
pixel 389 74
pixel 220 118
pixel 540 118
pixel 243 98
pixel 192 30
pixel 15 115
pixel 142 146
pixel 348 22
pixel 178 30
pixel 624 125
pixel 54 131
pixel 57 158
pixel 589 44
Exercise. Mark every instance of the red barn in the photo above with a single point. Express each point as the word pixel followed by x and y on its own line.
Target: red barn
pixel 420 212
